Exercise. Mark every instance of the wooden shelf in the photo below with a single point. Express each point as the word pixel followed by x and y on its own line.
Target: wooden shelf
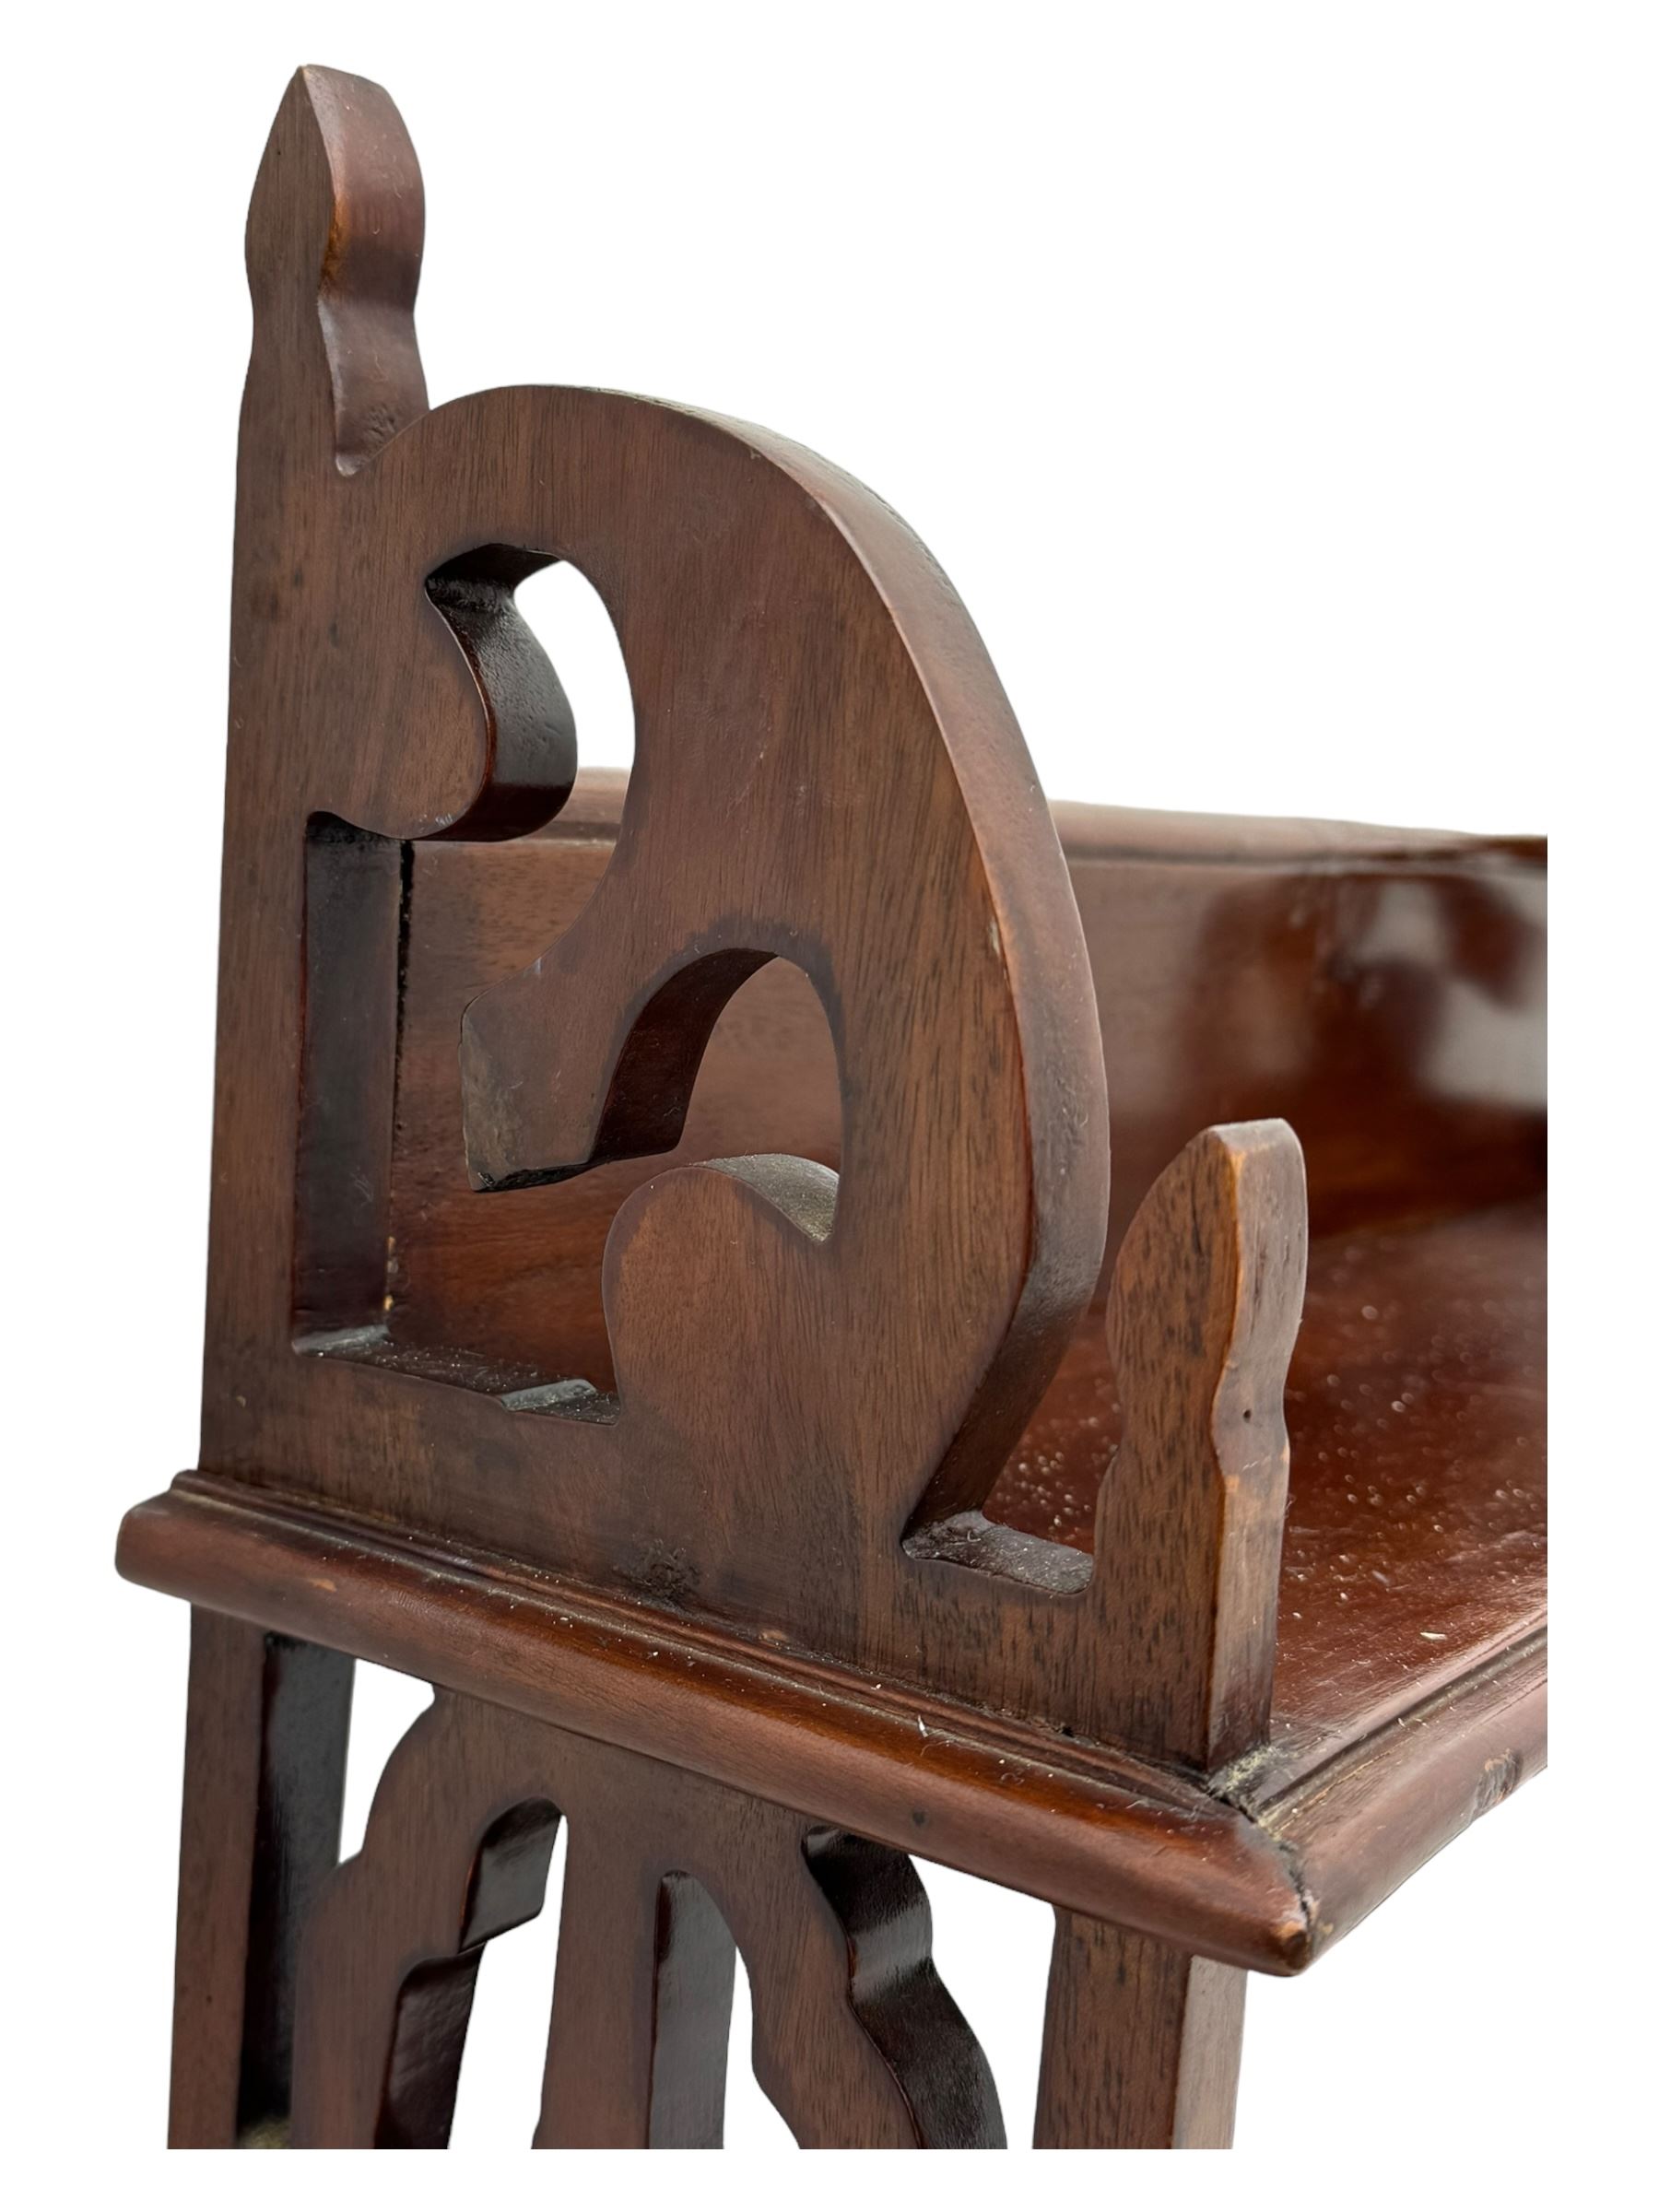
pixel 1409 1688
pixel 1415 1543
pixel 1252 1879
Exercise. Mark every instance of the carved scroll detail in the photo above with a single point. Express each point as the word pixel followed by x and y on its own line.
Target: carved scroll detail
pixel 856 2039
pixel 453 1856
pixel 814 1376
pixel 826 771
pixel 818 1379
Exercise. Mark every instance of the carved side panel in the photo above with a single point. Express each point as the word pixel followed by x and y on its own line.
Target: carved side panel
pixel 817 1377
pixel 814 1377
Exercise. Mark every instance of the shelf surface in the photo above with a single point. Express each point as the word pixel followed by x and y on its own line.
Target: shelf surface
pixel 1415 1540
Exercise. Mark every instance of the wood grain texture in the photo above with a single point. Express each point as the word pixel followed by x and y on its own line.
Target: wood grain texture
pixel 828 772
pixel 784 636
pixel 642 2016
pixel 1416 1525
pixel 661 1292
pixel 1419 1361
pixel 856 2041
pixel 1140 2044
pixel 1242 971
pixel 264 1772
pixel 392 1951
pixel 1203 1313
pixel 1246 1867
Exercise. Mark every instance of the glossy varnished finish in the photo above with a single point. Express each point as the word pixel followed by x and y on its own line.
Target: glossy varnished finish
pixel 1141 2044
pixel 1414 1547
pixel 1419 1361
pixel 827 773
pixel 1216 1866
pixel 663 1292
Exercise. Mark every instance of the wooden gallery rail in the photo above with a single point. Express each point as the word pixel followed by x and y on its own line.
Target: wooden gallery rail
pixel 784 1476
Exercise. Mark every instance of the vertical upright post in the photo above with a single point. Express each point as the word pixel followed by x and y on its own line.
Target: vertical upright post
pixel 1141 2040
pixel 1141 2044
pixel 265 1775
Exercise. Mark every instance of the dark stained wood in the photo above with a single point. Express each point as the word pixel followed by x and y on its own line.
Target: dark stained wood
pixel 1242 971
pixel 392 1951
pixel 1365 1818
pixel 856 2041
pixel 643 2007
pixel 1205 1302
pixel 1454 1487
pixel 1239 1877
pixel 1382 991
pixel 661 1292
pixel 908 1425
pixel 264 1772
pixel 343 1226
pixel 1415 1526
pixel 1140 2044
pixel 1103 1832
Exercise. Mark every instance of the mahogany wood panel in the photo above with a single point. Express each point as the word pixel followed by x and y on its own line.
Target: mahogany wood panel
pixel 784 635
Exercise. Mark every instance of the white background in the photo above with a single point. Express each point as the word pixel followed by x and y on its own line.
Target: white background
pixel 1277 384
